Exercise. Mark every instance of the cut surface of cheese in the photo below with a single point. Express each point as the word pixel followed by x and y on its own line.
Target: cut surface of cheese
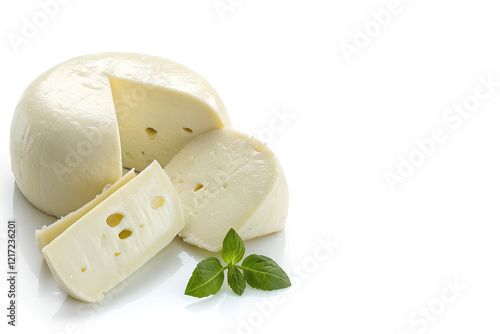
pixel 116 237
pixel 46 235
pixel 226 179
pixel 77 122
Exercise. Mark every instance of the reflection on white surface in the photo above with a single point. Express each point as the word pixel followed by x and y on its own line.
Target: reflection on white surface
pixel 28 220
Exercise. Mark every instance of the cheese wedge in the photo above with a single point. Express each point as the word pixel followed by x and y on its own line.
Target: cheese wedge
pixel 116 237
pixel 49 233
pixel 227 179
pixel 76 122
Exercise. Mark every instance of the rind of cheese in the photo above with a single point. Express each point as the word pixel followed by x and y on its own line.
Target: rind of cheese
pixel 117 237
pixel 75 123
pixel 226 179
pixel 46 235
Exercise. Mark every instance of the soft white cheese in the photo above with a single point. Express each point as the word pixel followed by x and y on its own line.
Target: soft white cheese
pixel 116 237
pixel 75 123
pixel 227 179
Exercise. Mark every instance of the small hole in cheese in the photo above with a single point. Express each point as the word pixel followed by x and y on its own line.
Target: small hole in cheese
pixel 198 187
pixel 157 202
pixel 83 269
pixel 151 133
pixel 114 219
pixel 224 185
pixel 116 254
pixel 188 130
pixel 125 234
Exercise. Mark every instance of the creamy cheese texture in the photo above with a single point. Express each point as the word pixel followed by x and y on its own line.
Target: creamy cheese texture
pixel 49 233
pixel 77 122
pixel 227 179
pixel 117 236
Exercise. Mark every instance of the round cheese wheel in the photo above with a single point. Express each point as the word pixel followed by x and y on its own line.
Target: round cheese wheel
pixel 80 122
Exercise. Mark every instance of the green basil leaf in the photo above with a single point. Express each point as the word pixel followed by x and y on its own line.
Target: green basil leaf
pixel 207 278
pixel 236 280
pixel 233 248
pixel 263 273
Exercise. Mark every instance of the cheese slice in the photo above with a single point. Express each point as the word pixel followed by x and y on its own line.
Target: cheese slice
pixel 46 235
pixel 116 237
pixel 77 122
pixel 226 179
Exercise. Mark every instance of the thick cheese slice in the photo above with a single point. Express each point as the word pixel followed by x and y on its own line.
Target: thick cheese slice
pixel 76 122
pixel 227 179
pixel 117 237
pixel 46 235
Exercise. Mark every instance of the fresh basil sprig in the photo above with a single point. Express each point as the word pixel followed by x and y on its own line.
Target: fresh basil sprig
pixel 259 271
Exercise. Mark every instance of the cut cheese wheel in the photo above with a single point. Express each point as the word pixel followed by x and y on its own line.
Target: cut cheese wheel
pixel 76 122
pixel 46 235
pixel 226 179
pixel 117 237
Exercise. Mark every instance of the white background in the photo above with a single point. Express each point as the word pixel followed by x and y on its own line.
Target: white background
pixel 351 119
